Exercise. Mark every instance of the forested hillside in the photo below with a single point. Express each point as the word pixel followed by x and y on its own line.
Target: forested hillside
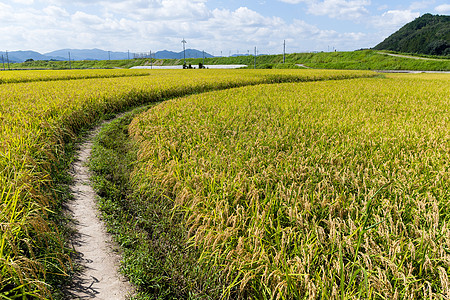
pixel 428 34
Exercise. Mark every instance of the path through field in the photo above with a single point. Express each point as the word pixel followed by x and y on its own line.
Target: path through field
pixel 99 278
pixel 410 56
pixel 303 66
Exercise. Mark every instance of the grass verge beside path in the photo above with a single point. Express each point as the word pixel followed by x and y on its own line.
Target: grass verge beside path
pixel 155 256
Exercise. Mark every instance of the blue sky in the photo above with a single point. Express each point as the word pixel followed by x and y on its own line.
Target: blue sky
pixel 216 26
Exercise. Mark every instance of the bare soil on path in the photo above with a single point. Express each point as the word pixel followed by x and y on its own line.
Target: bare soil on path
pixel 95 251
pixel 412 57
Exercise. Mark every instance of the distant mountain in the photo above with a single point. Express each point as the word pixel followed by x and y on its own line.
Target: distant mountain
pixel 167 55
pixel 190 53
pixel 21 56
pixel 96 54
pixel 89 54
pixel 428 34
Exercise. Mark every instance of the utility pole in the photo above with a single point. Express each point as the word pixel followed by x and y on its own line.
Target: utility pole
pixel 184 49
pixel 255 57
pixel 3 61
pixel 109 55
pixel 284 51
pixel 151 60
pixel 128 54
pixel 7 59
pixel 70 62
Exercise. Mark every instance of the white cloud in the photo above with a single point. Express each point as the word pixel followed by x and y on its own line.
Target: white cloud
pixel 143 25
pixel 293 1
pixel 86 19
pixel 339 9
pixel 394 19
pixel 5 11
pixel 70 2
pixel 443 9
pixel 419 5
pixel 389 22
pixel 242 17
pixel 159 9
pixel 25 2
pixel 55 11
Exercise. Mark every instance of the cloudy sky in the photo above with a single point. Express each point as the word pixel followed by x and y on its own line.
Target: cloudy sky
pixel 216 26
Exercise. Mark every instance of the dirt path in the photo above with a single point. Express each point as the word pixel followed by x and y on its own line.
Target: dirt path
pixel 303 66
pixel 412 57
pixel 99 278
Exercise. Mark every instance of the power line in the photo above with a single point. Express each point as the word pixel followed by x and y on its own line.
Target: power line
pixel 255 57
pixel 184 49
pixel 7 59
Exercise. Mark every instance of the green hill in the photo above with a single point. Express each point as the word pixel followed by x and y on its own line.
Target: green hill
pixel 428 34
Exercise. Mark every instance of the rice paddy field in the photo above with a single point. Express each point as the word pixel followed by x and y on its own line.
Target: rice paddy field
pixel 50 75
pixel 285 184
pixel 331 190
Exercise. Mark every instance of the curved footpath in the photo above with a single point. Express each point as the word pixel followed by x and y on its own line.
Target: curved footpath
pixel 412 57
pixel 95 251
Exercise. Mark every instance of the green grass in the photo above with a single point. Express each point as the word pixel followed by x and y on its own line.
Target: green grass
pixel 367 60
pixel 155 255
pixel 440 57
pixel 354 60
